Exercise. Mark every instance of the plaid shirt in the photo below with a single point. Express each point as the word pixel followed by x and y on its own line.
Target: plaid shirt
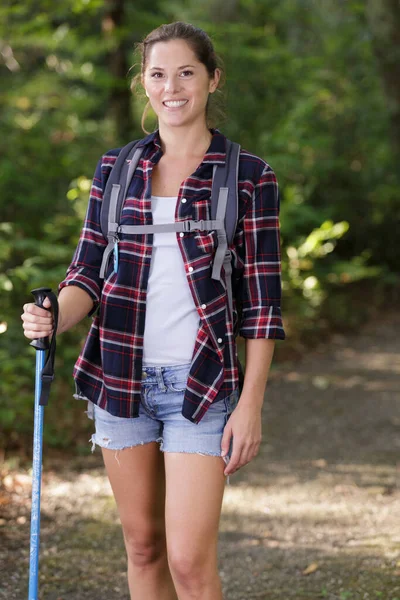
pixel 109 368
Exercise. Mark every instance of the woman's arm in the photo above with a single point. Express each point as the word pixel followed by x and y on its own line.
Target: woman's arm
pixel 245 421
pixel 261 289
pixel 259 353
pixel 74 304
pixel 84 269
pixel 261 322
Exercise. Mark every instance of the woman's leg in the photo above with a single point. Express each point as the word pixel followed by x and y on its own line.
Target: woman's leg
pixel 194 492
pixel 137 478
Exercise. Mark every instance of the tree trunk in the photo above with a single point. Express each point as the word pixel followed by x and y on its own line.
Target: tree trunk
pixel 384 19
pixel 120 95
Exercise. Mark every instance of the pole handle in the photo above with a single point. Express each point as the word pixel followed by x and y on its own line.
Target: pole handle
pixel 40 294
pixel 47 373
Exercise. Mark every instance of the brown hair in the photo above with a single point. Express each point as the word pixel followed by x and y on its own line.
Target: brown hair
pixel 203 48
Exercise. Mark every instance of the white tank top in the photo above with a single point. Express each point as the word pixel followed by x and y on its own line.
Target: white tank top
pixel 172 320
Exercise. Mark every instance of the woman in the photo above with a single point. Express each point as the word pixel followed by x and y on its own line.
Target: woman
pixel 159 363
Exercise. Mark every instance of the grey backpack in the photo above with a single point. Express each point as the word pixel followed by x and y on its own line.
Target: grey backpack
pixel 224 210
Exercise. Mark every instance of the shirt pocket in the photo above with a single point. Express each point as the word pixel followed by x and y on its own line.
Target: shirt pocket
pixel 206 240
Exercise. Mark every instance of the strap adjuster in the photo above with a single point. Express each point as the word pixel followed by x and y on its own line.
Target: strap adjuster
pixel 47 378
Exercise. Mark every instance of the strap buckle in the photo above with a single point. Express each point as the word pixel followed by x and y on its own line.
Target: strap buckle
pixel 192 225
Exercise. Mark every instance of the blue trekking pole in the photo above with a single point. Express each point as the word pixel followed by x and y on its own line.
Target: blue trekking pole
pixel 43 378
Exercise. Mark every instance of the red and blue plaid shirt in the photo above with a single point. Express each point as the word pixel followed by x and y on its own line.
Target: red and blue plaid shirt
pixel 109 368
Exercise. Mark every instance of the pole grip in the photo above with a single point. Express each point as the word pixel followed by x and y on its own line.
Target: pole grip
pixel 40 294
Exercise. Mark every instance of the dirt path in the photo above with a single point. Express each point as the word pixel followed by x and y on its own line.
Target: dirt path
pixel 315 515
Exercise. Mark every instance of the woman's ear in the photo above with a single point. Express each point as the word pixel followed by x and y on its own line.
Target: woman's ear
pixel 214 83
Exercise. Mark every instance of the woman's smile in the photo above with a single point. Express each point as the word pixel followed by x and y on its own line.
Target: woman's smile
pixel 174 104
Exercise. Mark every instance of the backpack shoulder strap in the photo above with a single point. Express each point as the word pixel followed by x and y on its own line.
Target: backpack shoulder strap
pixel 225 203
pixel 225 206
pixel 118 176
pixel 226 176
pixel 114 196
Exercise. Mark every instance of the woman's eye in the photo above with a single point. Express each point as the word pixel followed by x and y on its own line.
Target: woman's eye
pixel 156 73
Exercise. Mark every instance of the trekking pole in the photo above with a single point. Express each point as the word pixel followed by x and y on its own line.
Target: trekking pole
pixel 43 378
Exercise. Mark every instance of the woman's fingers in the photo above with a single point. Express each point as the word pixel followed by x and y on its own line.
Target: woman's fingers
pixel 32 318
pixel 33 330
pixel 241 455
pixel 33 335
pixel 234 463
pixel 33 309
pixel 37 322
pixel 46 302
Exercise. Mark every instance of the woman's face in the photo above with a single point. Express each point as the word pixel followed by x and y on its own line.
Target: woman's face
pixel 177 84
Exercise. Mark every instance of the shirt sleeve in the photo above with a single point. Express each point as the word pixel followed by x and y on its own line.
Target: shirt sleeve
pixel 261 285
pixel 84 269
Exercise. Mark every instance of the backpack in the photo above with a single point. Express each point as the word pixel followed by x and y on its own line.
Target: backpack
pixel 224 215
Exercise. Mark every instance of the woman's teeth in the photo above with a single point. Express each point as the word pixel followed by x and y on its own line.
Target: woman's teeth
pixel 174 103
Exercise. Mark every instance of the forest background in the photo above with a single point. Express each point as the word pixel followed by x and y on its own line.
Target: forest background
pixel 312 86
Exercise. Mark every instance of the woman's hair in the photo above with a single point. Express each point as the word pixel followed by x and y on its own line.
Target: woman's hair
pixel 202 46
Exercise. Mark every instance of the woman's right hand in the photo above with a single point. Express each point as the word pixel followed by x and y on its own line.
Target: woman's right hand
pixel 37 322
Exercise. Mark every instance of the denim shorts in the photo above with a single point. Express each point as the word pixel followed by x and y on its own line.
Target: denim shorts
pixel 161 420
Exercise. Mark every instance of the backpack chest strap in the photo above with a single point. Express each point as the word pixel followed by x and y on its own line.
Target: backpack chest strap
pixel 178 226
pixel 185 226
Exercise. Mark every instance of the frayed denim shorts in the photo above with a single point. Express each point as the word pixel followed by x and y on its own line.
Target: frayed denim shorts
pixel 161 420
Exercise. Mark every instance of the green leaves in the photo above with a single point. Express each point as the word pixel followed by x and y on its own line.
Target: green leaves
pixel 304 91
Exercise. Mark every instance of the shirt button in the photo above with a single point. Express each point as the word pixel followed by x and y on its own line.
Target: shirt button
pixel 203 306
pixel 190 269
pixel 219 340
pixel 181 234
pixel 183 199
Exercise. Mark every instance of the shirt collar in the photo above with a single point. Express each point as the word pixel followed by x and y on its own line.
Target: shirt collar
pixel 216 153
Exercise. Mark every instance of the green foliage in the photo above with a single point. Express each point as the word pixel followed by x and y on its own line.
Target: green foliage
pixel 303 91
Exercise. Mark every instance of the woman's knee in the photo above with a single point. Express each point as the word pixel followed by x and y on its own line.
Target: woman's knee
pixel 191 569
pixel 144 546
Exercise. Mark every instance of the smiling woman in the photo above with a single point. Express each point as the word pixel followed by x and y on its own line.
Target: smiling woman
pixel 159 67
pixel 160 362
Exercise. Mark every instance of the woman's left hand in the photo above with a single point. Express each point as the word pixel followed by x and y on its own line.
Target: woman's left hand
pixel 245 426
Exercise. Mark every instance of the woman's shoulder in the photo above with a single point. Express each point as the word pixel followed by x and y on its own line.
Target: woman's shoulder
pixel 254 172
pixel 253 166
pixel 108 159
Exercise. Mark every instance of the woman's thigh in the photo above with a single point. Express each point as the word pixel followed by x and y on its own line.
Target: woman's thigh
pixel 138 483
pixel 135 468
pixel 194 493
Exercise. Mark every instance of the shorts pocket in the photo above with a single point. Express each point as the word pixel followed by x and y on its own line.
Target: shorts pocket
pixel 177 386
pixel 232 401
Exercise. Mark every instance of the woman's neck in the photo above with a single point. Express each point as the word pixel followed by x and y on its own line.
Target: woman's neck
pixel 184 143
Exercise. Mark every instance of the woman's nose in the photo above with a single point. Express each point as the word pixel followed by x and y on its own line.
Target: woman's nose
pixel 172 84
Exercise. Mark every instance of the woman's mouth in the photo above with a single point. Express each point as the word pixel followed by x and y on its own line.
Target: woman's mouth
pixel 174 104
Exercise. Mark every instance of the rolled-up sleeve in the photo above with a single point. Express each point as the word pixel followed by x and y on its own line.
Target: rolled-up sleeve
pixel 85 265
pixel 261 285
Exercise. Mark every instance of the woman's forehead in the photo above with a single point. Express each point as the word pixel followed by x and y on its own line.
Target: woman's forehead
pixel 174 53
